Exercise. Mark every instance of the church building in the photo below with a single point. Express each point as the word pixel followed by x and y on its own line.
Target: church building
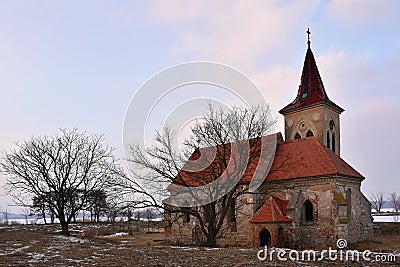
pixel 311 196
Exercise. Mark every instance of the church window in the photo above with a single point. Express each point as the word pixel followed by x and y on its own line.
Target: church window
pixel 297 136
pixel 310 133
pixel 305 93
pixel 186 215
pixel 348 202
pixel 328 140
pixel 308 211
pixel 333 142
pixel 232 217
pixel 233 212
pixel 331 124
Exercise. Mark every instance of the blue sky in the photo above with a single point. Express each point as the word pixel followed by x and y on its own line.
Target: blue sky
pixel 78 63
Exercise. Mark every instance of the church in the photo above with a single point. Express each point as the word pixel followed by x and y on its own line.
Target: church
pixel 311 200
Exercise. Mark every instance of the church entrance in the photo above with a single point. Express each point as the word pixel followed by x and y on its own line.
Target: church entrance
pixel 265 238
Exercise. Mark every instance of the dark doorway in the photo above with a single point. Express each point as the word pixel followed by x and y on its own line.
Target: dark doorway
pixel 265 238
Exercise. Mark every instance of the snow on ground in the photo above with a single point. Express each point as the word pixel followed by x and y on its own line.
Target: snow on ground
pixel 41 221
pixel 384 210
pixel 71 239
pixel 120 234
pixel 10 251
pixel 387 218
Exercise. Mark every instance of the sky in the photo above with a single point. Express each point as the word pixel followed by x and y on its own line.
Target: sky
pixel 66 64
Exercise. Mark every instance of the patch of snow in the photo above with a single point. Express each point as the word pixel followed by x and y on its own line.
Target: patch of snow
pixel 16 250
pixel 36 256
pixel 120 234
pixel 211 248
pixel 72 239
pixel 390 218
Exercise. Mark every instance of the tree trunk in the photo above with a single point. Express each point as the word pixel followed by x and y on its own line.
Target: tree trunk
pixel 64 222
pixel 64 227
pixel 211 241
pixel 44 217
pixel 212 231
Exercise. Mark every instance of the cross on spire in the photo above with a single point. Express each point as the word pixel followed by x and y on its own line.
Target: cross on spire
pixel 308 37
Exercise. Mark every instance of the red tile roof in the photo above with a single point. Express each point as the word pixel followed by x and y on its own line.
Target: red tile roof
pixel 273 210
pixel 210 162
pixel 300 158
pixel 311 89
pixel 307 157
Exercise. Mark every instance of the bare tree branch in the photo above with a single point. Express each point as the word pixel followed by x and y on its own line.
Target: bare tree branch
pixel 160 166
pixel 60 171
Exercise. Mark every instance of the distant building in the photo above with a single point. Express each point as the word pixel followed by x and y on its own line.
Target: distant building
pixel 311 196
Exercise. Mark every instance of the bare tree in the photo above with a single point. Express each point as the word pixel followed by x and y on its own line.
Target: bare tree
pixel 395 201
pixel 5 214
pixel 39 207
pixel 377 201
pixel 97 204
pixel 60 170
pixel 149 213
pixel 218 132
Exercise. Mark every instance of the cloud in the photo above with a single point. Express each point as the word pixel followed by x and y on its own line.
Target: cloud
pixel 248 35
pixel 273 82
pixel 367 89
pixel 358 13
pixel 371 142
pixel 232 32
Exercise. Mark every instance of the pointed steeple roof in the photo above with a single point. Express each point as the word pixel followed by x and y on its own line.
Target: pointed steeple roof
pixel 311 89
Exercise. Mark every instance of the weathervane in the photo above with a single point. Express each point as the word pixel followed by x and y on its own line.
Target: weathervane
pixel 308 37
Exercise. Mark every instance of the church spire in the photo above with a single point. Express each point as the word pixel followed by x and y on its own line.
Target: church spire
pixel 311 90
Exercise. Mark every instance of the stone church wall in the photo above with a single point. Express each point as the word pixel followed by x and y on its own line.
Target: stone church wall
pixel 336 214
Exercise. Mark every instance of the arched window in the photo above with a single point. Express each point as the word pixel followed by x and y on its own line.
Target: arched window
pixel 348 202
pixel 186 215
pixel 333 142
pixel 232 217
pixel 297 136
pixel 328 140
pixel 309 133
pixel 331 124
pixel 233 212
pixel 308 211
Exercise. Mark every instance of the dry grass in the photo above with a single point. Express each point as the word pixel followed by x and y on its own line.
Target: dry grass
pixel 44 246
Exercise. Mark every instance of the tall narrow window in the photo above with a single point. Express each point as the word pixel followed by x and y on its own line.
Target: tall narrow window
pixel 297 136
pixel 310 133
pixel 328 140
pixel 348 202
pixel 232 217
pixel 186 215
pixel 308 211
pixel 233 212
pixel 333 142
